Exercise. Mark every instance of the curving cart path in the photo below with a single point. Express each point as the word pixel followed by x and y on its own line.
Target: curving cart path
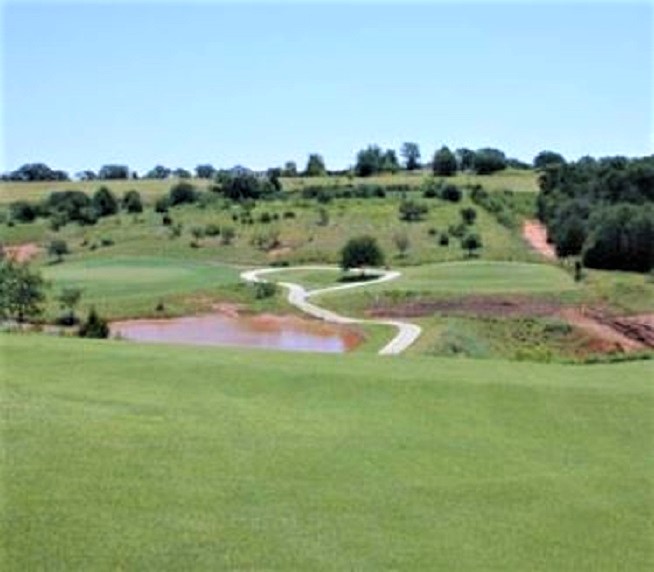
pixel 298 296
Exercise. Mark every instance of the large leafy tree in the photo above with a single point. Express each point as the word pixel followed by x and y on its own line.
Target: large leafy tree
pixel 22 291
pixel 315 166
pixel 489 161
pixel 411 154
pixel 545 158
pixel 104 202
pixel 444 162
pixel 361 251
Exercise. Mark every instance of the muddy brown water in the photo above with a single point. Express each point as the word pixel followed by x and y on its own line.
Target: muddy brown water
pixel 264 331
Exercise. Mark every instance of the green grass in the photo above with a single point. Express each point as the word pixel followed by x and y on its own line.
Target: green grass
pixel 151 189
pixel 126 287
pixel 515 180
pixel 482 277
pixel 122 456
pixel 302 238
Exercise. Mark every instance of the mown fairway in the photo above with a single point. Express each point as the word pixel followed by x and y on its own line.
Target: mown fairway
pixel 131 286
pixel 120 456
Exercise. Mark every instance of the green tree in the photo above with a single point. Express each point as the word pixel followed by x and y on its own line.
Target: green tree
pixel 471 242
pixel 411 154
pixel 444 162
pixel 389 162
pixel 489 161
pixel 465 159
pixel 58 248
pixel 21 291
pixel 361 251
pixel 94 326
pixel 412 211
pixel 68 300
pixel 132 202
pixel 545 158
pixel 468 215
pixel 182 193
pixel 205 171
pixel 104 202
pixel 369 161
pixel 315 166
pixel 290 169
pixel 402 242
pixel 113 172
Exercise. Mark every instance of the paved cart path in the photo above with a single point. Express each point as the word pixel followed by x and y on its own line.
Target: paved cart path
pixel 298 296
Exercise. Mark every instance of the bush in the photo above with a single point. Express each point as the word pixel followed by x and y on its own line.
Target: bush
pixel 132 202
pixel 94 326
pixel 212 229
pixel 104 202
pixel 57 248
pixel 227 234
pixel 412 211
pixel 361 251
pixel 451 193
pixel 106 241
pixel 468 215
pixel 444 240
pixel 289 214
pixel 22 211
pixel 162 205
pixel 264 290
pixel 182 193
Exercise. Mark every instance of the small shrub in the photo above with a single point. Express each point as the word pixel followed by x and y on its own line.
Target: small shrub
pixel 432 231
pixel 162 205
pixel 212 229
pixel 264 290
pixel 289 214
pixel 444 239
pixel 227 234
pixel 451 193
pixel 94 326
pixel 166 220
pixel 106 241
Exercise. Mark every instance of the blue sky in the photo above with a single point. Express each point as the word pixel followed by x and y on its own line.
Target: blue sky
pixel 260 84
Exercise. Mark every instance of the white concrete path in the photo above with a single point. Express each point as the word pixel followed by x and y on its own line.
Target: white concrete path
pixel 298 296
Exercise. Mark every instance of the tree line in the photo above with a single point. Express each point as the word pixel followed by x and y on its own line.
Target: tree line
pixel 601 210
pixel 369 161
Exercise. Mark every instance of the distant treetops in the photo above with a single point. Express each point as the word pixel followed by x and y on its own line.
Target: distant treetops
pixel 372 160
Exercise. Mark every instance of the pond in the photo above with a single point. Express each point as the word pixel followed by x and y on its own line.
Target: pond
pixel 263 331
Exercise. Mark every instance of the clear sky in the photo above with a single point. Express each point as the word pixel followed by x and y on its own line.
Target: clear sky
pixel 259 84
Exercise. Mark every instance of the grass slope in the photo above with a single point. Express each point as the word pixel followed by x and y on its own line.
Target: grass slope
pixel 150 189
pixel 120 456
pixel 125 286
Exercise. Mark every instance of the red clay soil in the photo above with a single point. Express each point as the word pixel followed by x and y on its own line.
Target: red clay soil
pixel 605 333
pixel 480 306
pixel 22 252
pixel 535 233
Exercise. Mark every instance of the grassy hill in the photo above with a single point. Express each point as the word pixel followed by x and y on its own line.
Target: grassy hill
pixel 127 456
pixel 150 189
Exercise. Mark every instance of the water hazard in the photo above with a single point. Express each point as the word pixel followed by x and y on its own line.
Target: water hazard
pixel 265 331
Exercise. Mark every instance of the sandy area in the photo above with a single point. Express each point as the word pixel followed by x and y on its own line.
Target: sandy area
pixel 535 233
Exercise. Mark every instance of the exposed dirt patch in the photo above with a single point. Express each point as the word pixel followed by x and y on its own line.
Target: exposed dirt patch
pixel 535 233
pixel 228 309
pixel 481 306
pixel 603 332
pixel 603 329
pixel 280 252
pixel 22 252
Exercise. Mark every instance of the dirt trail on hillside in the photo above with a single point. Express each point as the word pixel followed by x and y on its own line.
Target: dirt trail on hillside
pixel 22 252
pixel 535 233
